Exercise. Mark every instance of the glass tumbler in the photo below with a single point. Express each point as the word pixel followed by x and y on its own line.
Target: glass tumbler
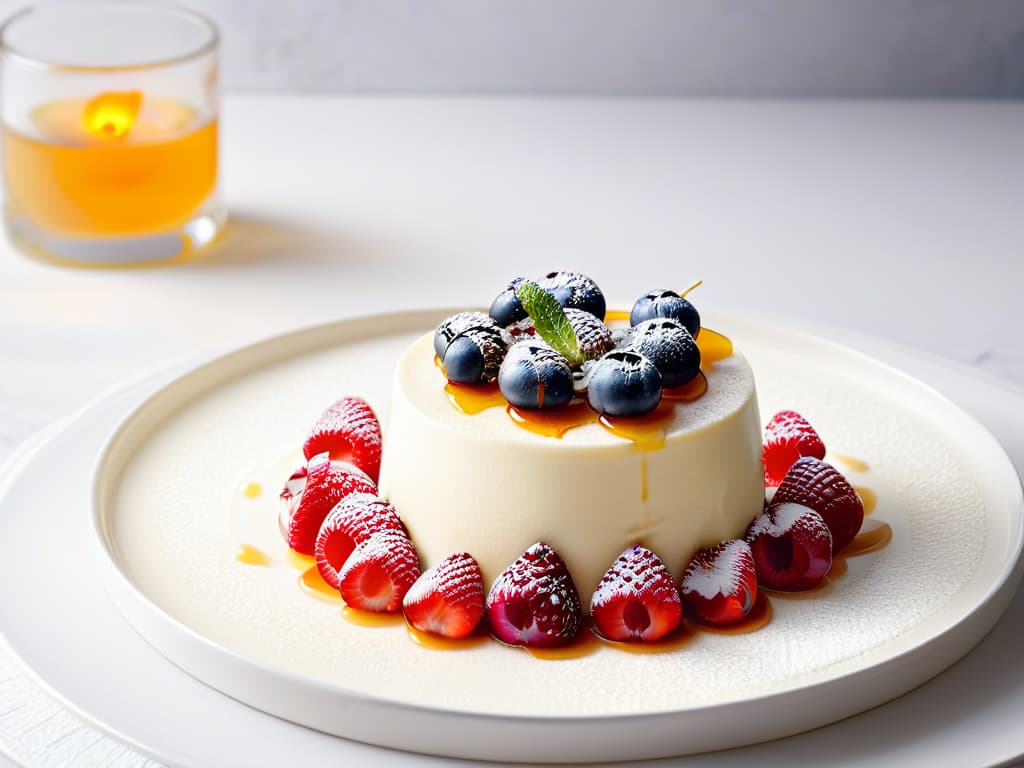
pixel 109 113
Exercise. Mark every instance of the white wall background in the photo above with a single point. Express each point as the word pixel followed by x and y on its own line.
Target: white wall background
pixel 958 48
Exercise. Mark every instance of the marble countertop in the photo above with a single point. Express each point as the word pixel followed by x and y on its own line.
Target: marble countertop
pixel 901 221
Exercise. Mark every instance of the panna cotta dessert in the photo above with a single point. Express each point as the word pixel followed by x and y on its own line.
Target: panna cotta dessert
pixel 550 464
pixel 482 483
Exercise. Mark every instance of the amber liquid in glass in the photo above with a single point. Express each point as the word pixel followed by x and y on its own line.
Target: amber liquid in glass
pixel 116 165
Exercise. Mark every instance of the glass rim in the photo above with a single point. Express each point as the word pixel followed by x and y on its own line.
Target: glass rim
pixel 208 45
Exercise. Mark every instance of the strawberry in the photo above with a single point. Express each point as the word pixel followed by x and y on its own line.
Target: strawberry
pixel 534 601
pixel 720 583
pixel 352 521
pixel 311 495
pixel 820 486
pixel 349 431
pixel 379 572
pixel 637 599
pixel 448 599
pixel 787 437
pixel 792 547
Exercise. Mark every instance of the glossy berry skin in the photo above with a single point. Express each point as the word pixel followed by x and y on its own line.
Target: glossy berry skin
pixel 474 356
pixel 720 583
pixel 671 348
pixel 535 378
pixel 534 601
pixel 820 486
pixel 456 325
pixel 576 291
pixel 792 547
pixel 665 303
pixel 636 600
pixel 506 307
pixel 624 383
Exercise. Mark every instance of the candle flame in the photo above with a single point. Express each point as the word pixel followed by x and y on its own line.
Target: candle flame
pixel 112 114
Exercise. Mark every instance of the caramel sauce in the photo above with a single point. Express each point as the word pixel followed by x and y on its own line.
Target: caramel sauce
pixel 552 423
pixel 471 400
pixel 827 584
pixel 873 539
pixel 370 619
pixel 250 555
pixel 252 490
pixel 678 638
pixel 432 642
pixel 643 478
pixel 585 644
pixel 313 584
pixel 299 561
pixel 759 617
pixel 616 316
pixel 687 393
pixel 647 432
pixel 855 464
pixel 713 347
pixel 868 497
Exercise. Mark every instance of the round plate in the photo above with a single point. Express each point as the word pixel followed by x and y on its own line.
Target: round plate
pixel 164 490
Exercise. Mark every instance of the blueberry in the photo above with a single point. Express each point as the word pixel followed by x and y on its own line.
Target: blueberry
pixel 593 335
pixel 624 383
pixel 666 304
pixel 571 289
pixel 506 307
pixel 671 348
pixel 474 356
pixel 458 324
pixel 535 378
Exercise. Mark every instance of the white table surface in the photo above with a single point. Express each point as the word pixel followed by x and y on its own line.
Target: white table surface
pixel 900 220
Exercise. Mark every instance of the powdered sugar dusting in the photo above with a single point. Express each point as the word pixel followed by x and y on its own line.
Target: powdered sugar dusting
pixel 718 571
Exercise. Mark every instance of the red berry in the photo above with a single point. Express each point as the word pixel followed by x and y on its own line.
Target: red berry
pixel 792 547
pixel 448 599
pixel 637 598
pixel 352 521
pixel 787 437
pixel 534 601
pixel 720 583
pixel 820 486
pixel 349 431
pixel 310 495
pixel 379 572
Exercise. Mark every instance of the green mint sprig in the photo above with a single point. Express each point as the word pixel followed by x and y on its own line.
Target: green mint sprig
pixel 550 321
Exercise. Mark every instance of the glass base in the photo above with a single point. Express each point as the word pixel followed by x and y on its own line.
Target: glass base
pixel 138 250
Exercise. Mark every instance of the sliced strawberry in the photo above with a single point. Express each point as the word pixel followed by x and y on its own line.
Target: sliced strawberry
pixel 820 486
pixel 534 601
pixel 720 583
pixel 349 431
pixel 352 521
pixel 787 437
pixel 379 572
pixel 448 599
pixel 792 547
pixel 308 498
pixel 636 600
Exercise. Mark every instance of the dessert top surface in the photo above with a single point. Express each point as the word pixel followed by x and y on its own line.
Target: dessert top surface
pixel 419 381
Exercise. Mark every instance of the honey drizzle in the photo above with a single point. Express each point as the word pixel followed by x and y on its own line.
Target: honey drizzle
pixel 687 393
pixel 871 540
pixel 868 497
pixel 313 584
pixel 760 616
pixel 250 555
pixel 713 346
pixel 252 490
pixel 854 464
pixel 370 619
pixel 433 642
pixel 552 423
pixel 471 400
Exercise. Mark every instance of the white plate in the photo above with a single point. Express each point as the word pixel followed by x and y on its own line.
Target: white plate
pixel 898 618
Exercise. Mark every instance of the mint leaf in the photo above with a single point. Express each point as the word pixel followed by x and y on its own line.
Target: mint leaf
pixel 550 321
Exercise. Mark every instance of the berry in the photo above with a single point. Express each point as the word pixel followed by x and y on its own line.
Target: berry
pixel 792 547
pixel 350 523
pixel 535 377
pixel 594 337
pixel 624 383
pixel 457 324
pixel 534 601
pixel 311 496
pixel 820 486
pixel 506 307
pixel 671 348
pixel 349 431
pixel 576 291
pixel 447 600
pixel 668 304
pixel 787 437
pixel 379 572
pixel 720 583
pixel 474 356
pixel 636 600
